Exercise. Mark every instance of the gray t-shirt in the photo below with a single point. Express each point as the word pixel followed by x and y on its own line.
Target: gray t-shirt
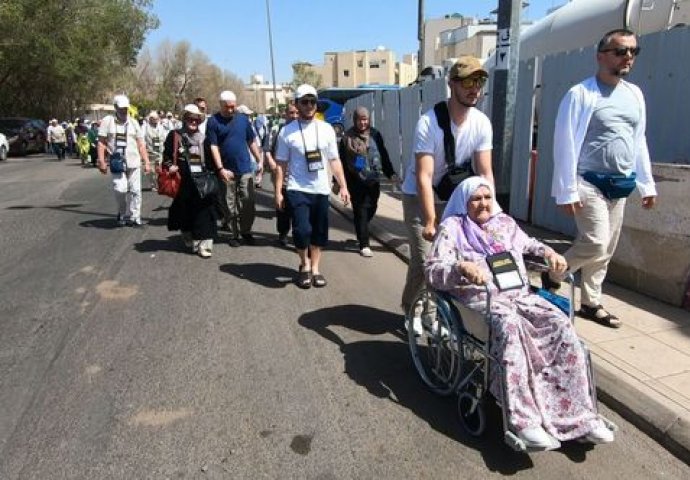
pixel 609 145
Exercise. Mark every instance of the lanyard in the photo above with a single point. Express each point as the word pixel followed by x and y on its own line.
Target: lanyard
pixel 304 144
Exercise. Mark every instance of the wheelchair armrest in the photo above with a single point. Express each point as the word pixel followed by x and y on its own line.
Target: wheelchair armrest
pixel 535 263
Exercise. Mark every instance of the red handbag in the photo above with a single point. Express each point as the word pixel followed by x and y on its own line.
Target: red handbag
pixel 169 183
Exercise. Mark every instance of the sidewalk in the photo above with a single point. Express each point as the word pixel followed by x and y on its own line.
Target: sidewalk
pixel 642 369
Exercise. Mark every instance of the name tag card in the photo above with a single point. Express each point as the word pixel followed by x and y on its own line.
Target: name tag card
pixel 505 271
pixel 314 163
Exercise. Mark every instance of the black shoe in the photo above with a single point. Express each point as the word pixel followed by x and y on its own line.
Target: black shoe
pixel 548 284
pixel 248 239
pixel 136 224
pixel 282 240
pixel 233 242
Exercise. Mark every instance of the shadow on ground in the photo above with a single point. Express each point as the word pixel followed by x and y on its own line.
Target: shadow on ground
pixel 264 274
pixel 385 369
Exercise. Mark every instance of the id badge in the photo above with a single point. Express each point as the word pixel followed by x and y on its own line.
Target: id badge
pixel 195 168
pixel 314 163
pixel 156 145
pixel 505 270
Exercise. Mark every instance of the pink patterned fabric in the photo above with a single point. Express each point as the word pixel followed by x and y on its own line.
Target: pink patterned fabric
pixel 543 362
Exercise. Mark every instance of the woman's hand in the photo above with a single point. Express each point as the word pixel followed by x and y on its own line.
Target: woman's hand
pixel 471 272
pixel 557 263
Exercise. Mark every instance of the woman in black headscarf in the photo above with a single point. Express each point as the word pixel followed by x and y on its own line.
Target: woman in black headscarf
pixel 366 159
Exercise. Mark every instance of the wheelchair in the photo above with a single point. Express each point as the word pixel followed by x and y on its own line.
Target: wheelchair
pixel 453 355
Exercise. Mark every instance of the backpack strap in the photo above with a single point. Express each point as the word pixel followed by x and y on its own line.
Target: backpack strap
pixel 443 120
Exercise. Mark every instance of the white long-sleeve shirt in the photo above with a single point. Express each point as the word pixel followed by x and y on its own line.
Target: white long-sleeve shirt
pixel 572 121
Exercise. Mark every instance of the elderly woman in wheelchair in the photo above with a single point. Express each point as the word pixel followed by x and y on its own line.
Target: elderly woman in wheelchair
pixel 539 370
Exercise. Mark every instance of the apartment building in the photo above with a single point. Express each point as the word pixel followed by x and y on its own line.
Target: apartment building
pixel 350 69
pixel 259 95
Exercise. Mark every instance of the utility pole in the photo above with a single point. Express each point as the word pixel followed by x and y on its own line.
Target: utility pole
pixel 273 67
pixel 420 36
pixel 504 94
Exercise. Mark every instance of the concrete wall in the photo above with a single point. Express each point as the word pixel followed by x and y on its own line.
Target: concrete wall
pixel 653 255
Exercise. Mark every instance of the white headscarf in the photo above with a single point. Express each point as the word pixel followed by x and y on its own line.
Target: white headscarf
pixel 457 204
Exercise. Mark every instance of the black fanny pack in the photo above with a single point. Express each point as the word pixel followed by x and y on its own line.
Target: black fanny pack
pixel 118 164
pixel 452 179
pixel 612 185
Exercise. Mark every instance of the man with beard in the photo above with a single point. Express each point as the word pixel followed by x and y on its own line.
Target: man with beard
pixel 468 138
pixel 600 156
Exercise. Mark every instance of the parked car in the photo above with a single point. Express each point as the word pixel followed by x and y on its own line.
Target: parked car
pixel 24 135
pixel 4 147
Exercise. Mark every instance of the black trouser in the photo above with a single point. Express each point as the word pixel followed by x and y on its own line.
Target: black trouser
pixel 222 203
pixel 364 198
pixel 284 216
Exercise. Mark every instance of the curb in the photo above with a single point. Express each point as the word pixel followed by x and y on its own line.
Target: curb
pixel 649 411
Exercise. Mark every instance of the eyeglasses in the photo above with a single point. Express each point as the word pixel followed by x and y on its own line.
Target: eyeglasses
pixel 307 101
pixel 623 51
pixel 193 120
pixel 470 82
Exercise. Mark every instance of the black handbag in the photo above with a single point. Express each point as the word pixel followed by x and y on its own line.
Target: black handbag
pixel 206 183
pixel 455 174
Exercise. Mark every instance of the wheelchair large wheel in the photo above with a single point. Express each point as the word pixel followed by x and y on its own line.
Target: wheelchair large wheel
pixel 471 413
pixel 434 350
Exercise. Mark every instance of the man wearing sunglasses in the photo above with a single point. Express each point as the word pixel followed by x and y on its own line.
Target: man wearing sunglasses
pixel 308 150
pixel 600 156
pixel 472 137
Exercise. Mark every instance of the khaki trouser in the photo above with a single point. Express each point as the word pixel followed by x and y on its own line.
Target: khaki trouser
pixel 241 200
pixel 599 224
pixel 419 247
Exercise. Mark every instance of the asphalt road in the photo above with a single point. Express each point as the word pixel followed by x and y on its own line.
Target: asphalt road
pixel 122 356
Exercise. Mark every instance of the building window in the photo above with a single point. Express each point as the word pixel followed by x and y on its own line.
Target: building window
pixel 346 73
pixel 383 61
pixel 373 64
pixel 360 63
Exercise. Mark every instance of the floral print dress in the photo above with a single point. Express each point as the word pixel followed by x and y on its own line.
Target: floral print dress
pixel 543 361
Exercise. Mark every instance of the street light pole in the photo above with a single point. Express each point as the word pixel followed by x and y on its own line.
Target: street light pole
pixel 273 68
pixel 420 37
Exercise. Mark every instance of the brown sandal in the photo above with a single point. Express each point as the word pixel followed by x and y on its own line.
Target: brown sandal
pixel 303 278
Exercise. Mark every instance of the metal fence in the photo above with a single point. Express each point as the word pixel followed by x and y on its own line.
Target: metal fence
pixel 661 72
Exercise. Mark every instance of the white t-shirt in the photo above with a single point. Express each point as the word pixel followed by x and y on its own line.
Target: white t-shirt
pixel 474 135
pixel 114 132
pixel 296 138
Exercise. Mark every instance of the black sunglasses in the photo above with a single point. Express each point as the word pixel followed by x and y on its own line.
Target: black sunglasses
pixel 307 101
pixel 623 51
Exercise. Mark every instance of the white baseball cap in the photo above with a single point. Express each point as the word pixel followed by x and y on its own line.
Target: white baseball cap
pixel 244 109
pixel 121 101
pixel 227 96
pixel 304 90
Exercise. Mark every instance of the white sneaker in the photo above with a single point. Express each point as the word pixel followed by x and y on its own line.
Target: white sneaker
pixel 598 435
pixel 206 248
pixel 537 438
pixel 366 252
pixel 416 326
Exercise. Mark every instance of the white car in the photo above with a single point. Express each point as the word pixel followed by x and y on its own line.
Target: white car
pixel 4 147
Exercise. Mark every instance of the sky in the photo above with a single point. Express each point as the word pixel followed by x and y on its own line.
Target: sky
pixel 234 33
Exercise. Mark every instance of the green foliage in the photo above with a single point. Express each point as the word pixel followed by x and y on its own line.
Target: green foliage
pixel 304 73
pixel 57 55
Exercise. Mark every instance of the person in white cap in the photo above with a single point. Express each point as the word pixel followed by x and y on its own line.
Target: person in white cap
pixel 231 139
pixel 57 138
pixel 121 137
pixel 306 149
pixel 154 136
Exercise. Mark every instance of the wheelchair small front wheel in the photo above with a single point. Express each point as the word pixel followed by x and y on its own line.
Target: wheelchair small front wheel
pixel 471 414
pixel 434 343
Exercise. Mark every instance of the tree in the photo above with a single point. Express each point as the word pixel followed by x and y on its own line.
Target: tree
pixel 60 55
pixel 303 72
